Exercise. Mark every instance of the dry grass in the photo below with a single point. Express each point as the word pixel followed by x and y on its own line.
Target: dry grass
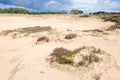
pixel 113 18
pixel 27 30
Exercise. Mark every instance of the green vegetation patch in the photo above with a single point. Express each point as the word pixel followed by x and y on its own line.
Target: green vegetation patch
pixel 83 56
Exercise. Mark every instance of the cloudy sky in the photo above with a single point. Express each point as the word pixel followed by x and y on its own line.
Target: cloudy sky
pixel 56 5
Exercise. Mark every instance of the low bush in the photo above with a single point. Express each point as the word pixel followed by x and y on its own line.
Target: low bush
pixel 42 38
pixel 70 36
pixel 91 58
pixel 60 55
pixel 114 27
pixel 85 16
pixel 64 60
pixel 58 52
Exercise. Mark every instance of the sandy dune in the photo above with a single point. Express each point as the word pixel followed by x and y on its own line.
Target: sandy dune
pixel 61 22
pixel 21 59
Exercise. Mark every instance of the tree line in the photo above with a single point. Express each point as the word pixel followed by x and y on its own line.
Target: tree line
pixel 24 11
pixel 14 10
pixel 103 12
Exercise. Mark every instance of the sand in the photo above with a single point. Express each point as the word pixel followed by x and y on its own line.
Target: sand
pixel 21 59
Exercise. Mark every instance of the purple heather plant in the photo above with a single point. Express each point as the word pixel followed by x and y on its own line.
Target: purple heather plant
pixel 70 36
pixel 43 38
pixel 60 55
pixel 58 52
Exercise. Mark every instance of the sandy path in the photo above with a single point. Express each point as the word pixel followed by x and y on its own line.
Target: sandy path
pixel 20 59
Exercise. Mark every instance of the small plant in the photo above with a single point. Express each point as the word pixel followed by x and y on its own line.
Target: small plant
pixel 114 27
pixel 65 60
pixel 42 38
pixel 68 30
pixel 85 16
pixel 97 50
pixel 96 77
pixel 58 52
pixel 60 55
pixel 72 53
pixel 91 58
pixel 70 36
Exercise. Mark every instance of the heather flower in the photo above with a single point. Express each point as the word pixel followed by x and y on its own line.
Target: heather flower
pixel 43 38
pixel 70 36
pixel 60 52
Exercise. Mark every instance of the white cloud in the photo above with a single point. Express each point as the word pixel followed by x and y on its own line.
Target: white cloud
pixel 51 3
pixel 95 5
pixel 54 5
pixel 85 5
pixel 84 1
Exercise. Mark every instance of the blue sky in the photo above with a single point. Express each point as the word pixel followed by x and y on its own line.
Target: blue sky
pixel 57 5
